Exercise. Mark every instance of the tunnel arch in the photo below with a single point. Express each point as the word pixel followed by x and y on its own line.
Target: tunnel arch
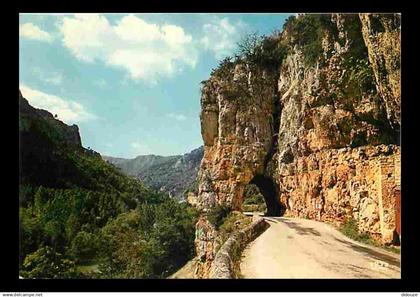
pixel 269 190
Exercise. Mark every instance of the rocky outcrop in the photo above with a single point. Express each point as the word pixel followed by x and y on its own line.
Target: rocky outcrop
pixel 65 133
pixel 205 247
pixel 324 126
pixel 237 127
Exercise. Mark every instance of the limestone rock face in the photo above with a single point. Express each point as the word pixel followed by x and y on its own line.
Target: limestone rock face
pixel 324 126
pixel 327 105
pixel 205 247
pixel 237 128
pixel 334 122
pixel 382 36
pixel 333 185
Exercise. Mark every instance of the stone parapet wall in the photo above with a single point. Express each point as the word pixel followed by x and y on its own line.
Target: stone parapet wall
pixel 222 266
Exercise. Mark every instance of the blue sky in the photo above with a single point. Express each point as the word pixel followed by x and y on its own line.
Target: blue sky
pixel 131 82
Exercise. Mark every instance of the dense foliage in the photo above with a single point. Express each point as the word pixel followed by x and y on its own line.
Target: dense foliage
pixel 80 227
pixel 151 241
pixel 78 210
pixel 253 199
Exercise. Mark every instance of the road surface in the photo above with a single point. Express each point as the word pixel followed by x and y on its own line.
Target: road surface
pixel 299 248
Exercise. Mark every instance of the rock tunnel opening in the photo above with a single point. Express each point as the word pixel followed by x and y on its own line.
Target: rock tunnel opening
pixel 269 191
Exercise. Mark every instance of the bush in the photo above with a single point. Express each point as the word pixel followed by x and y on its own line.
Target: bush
pixel 351 230
pixel 217 214
pixel 84 246
pixel 223 70
pixel 46 263
pixel 262 51
pixel 233 222
pixel 358 79
pixel 307 32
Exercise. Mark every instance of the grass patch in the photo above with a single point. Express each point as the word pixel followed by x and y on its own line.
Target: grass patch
pixel 255 207
pixel 393 249
pixel 233 222
pixel 89 268
pixel 351 230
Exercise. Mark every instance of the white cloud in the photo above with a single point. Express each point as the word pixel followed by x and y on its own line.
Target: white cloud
pixel 220 36
pixel 31 31
pixel 178 117
pixel 66 110
pixel 145 50
pixel 54 78
pixel 139 148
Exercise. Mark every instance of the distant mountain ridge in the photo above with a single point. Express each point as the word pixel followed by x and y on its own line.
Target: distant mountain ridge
pixel 171 174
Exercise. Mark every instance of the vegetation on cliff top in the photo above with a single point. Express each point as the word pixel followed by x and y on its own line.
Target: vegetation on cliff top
pixel 307 32
pixel 263 52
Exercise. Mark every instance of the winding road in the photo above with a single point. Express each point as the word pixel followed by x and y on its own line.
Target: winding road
pixel 299 248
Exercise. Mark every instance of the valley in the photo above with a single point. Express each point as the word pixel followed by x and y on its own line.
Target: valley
pixel 175 175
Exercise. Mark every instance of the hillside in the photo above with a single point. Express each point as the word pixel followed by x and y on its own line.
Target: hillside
pixel 77 210
pixel 173 174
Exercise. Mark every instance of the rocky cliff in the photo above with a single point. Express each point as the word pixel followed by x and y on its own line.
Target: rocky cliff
pixel 42 138
pixel 310 115
pixel 28 115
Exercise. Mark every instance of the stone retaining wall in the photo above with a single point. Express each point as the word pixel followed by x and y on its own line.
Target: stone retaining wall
pixel 222 266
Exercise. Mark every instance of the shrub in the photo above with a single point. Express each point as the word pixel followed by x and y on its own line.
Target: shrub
pixel 224 68
pixel 351 230
pixel 359 140
pixel 217 214
pixel 47 263
pixel 233 222
pixel 358 79
pixel 307 33
pixel 255 199
pixel 84 246
pixel 152 241
pixel 262 51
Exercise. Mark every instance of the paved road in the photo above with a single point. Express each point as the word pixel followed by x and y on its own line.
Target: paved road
pixel 299 248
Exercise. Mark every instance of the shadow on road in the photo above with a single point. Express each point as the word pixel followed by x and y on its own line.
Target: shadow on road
pixel 371 252
pixel 300 229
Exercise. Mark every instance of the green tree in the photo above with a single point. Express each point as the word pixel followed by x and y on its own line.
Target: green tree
pixel 84 246
pixel 46 263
